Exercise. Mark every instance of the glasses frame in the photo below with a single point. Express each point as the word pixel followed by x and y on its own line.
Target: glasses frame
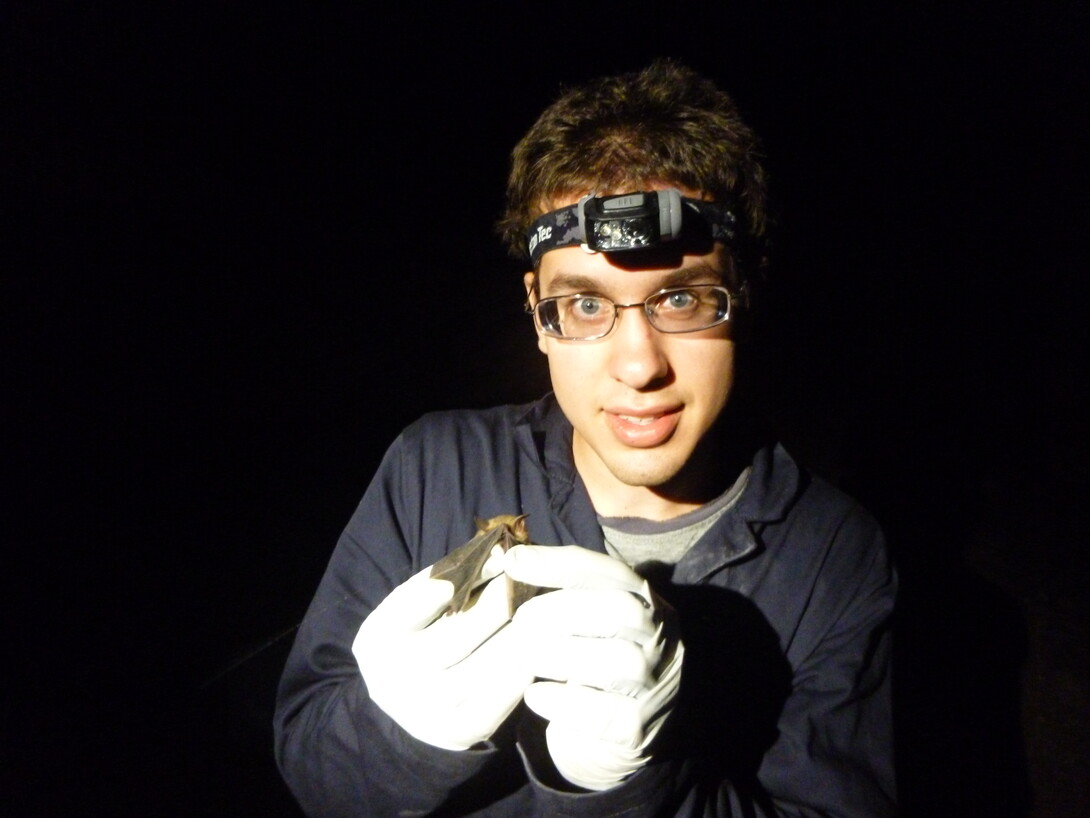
pixel 533 309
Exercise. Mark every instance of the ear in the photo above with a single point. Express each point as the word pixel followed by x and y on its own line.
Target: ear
pixel 528 282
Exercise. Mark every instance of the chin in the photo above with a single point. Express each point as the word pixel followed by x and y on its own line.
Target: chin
pixel 646 472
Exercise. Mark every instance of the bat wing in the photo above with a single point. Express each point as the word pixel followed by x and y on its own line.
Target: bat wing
pixel 463 566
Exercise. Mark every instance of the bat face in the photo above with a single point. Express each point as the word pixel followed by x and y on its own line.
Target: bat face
pixel 463 565
pixel 515 525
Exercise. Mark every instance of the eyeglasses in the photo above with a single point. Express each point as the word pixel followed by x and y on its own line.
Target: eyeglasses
pixel 580 317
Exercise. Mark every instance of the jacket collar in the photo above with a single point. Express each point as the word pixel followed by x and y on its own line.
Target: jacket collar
pixel 773 485
pixel 546 436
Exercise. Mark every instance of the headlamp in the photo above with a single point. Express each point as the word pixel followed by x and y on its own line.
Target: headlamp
pixel 631 221
pixel 628 221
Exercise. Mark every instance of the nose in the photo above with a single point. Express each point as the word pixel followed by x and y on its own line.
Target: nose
pixel 636 355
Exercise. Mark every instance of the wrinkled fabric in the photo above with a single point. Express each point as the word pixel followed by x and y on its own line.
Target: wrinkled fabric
pixel 783 604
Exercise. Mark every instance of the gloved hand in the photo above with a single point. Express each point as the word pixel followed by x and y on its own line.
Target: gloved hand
pixel 449 681
pixel 611 649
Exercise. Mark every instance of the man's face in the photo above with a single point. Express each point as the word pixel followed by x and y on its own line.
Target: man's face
pixel 640 400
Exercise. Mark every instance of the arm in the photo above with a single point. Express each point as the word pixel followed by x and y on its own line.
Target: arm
pixel 340 753
pixel 833 755
pixel 835 751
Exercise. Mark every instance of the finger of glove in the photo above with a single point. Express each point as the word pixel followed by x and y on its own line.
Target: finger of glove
pixel 410 606
pixel 452 707
pixel 608 664
pixel 652 706
pixel 581 612
pixel 571 566
pixel 591 764
pixel 660 698
pixel 450 639
pixel 387 646
pixel 493 675
pixel 589 713
pixel 472 698
pixel 493 566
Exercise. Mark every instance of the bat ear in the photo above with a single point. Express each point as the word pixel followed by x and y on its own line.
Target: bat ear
pixel 519 529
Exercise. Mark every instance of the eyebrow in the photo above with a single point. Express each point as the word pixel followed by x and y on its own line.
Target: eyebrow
pixel 571 283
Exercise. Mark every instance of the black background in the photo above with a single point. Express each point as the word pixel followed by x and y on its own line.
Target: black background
pixel 244 244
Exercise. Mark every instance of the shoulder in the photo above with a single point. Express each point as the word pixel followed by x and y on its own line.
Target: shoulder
pixel 463 426
pixel 807 515
pixel 780 489
pixel 787 489
pixel 823 501
pixel 465 447
pixel 827 569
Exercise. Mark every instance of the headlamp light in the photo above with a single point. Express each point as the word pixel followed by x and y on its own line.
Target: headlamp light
pixel 631 221
pixel 628 221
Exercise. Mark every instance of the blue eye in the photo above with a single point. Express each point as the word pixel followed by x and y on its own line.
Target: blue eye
pixel 676 302
pixel 680 300
pixel 587 307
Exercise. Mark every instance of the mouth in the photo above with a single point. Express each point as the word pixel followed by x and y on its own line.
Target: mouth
pixel 643 429
pixel 640 420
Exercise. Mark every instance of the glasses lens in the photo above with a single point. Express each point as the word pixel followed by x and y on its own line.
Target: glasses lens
pixel 688 309
pixel 575 316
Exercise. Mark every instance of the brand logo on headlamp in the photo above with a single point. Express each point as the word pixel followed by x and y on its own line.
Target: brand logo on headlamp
pixel 542 233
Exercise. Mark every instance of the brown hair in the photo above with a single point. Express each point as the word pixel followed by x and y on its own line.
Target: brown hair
pixel 663 124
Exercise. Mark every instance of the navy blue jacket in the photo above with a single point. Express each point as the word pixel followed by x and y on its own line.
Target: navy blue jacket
pixel 784 607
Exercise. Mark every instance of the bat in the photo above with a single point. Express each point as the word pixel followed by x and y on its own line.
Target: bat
pixel 464 564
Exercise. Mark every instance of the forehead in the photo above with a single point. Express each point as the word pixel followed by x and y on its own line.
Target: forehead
pixel 571 269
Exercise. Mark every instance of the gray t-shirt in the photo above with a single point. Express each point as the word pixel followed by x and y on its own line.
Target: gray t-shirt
pixel 635 540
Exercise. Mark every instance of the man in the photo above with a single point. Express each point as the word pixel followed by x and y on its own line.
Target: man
pixel 713 638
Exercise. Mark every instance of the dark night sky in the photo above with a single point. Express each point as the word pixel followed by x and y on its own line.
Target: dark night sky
pixel 204 208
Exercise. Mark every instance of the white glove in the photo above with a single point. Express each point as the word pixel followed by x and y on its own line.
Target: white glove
pixel 449 681
pixel 603 638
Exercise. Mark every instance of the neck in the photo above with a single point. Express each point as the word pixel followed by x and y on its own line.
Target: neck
pixel 639 501
pixel 714 466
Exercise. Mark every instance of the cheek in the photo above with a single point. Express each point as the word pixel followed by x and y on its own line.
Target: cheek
pixel 725 368
pixel 712 372
pixel 571 368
